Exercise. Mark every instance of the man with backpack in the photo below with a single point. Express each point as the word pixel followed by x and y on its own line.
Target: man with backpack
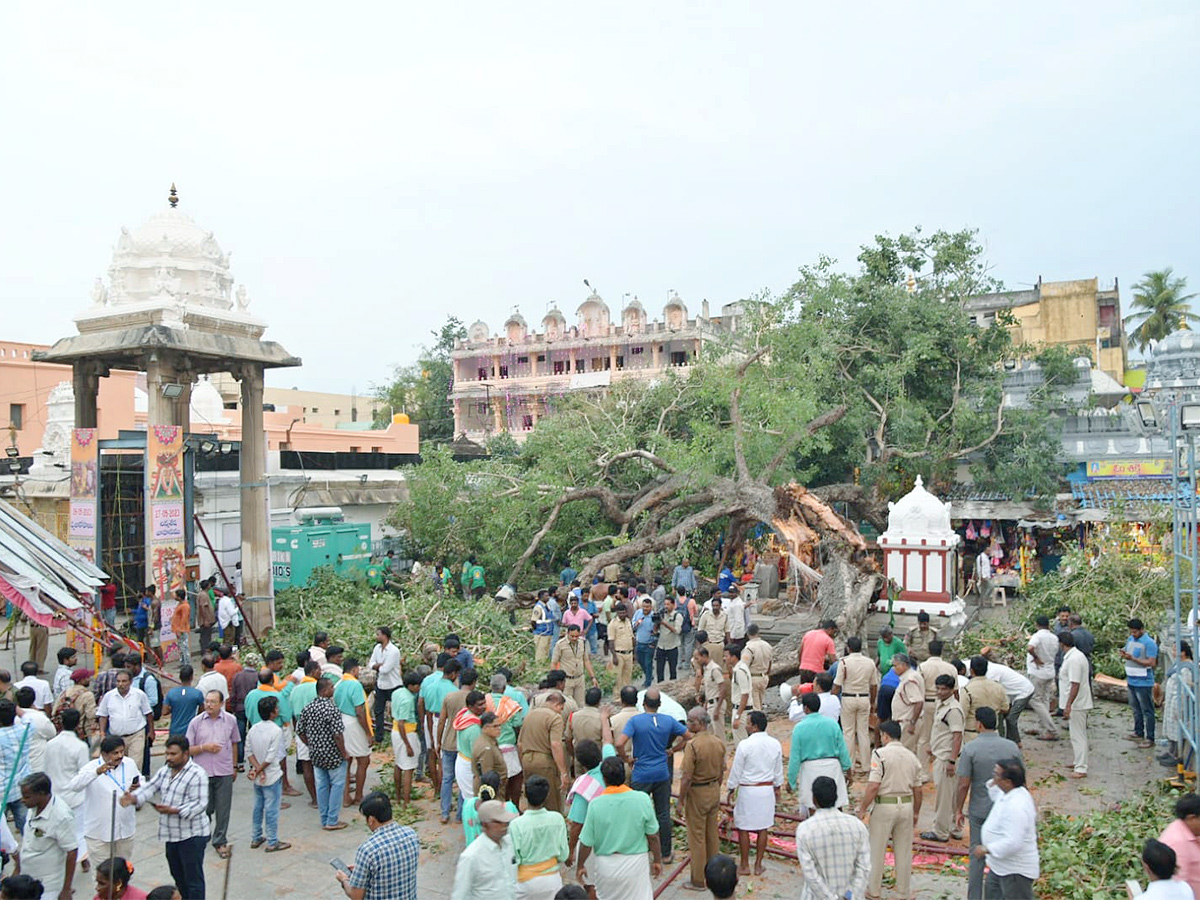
pixel 686 606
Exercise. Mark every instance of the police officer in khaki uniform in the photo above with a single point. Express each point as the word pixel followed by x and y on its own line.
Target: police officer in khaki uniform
pixel 933 667
pixel 620 635
pixel 715 621
pixel 571 656
pixel 700 792
pixel 945 745
pixel 895 788
pixel 919 637
pixel 741 689
pixel 908 703
pixel 757 655
pixel 857 683
pixel 710 684
pixel 980 691
pixel 541 746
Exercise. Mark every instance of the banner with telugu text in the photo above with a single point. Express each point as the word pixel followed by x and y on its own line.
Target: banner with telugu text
pixel 165 525
pixel 82 510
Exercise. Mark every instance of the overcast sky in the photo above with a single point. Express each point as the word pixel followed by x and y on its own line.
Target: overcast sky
pixel 375 168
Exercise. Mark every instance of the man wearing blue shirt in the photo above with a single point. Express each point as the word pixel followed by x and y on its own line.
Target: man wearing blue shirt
pixel 1141 656
pixel 643 633
pixel 655 738
pixel 684 577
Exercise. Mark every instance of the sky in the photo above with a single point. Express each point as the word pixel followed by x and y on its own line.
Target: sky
pixel 377 167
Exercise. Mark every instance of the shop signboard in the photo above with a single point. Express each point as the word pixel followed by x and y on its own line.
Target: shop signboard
pixel 1129 468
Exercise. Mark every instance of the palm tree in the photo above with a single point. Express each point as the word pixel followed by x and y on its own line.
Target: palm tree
pixel 1160 302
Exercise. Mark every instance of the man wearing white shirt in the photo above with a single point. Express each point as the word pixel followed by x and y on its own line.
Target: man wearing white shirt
pixel 100 779
pixel 1159 861
pixel 1019 691
pixel 735 609
pixel 1039 665
pixel 62 675
pixel 41 729
pixel 66 754
pixel 48 844
pixel 1075 699
pixel 831 704
pixel 212 680
pixel 756 777
pixel 125 711
pixel 385 661
pixel 43 696
pixel 1009 835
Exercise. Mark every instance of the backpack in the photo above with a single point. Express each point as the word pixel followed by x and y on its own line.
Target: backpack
pixel 686 609
pixel 141 686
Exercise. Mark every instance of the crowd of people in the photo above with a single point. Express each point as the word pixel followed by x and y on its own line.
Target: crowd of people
pixel 557 786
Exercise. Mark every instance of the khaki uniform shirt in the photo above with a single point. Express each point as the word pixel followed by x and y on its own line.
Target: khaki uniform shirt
pixel 620 632
pixel 909 694
pixel 856 674
pixel 620 717
pixel 947 721
pixel 929 672
pixel 569 657
pixel 541 730
pixel 917 642
pixel 713 679
pixel 585 725
pixel 704 759
pixel 740 683
pixel 757 655
pixel 716 626
pixel 896 770
pixel 981 691
pixel 569 704
pixel 454 701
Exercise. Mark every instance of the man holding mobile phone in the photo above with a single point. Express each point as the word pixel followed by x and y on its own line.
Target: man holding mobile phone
pixel 386 863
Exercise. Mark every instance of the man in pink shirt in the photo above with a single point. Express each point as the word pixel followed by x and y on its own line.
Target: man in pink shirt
pixel 1182 837
pixel 817 651
pixel 576 616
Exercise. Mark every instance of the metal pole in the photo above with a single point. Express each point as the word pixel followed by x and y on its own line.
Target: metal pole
pixel 229 585
pixel 112 842
pixel 228 866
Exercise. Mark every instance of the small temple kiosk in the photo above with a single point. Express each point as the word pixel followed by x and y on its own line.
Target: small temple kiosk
pixel 919 553
pixel 169 309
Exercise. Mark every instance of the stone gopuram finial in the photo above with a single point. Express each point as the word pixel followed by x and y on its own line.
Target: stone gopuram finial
pixel 173 199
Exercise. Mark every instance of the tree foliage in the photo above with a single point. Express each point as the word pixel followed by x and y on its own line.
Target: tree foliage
pixel 1162 306
pixel 422 389
pixel 922 382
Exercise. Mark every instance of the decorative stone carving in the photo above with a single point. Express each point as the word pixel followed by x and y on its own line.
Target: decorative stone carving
pixel 165 282
pixel 478 332
pixel 124 242
pixel 243 299
pixel 99 293
pixel 919 514
pixel 919 548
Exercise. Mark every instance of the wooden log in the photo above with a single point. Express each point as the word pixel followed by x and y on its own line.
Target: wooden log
pixel 785 664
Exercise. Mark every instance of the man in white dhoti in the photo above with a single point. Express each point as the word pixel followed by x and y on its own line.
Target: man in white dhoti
pixel 621 826
pixel 818 748
pixel 756 777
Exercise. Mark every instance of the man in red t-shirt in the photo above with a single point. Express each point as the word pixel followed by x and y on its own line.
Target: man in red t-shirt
pixel 108 604
pixel 817 651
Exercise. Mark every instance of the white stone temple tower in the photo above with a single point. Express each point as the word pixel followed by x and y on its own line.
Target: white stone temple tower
pixel 169 308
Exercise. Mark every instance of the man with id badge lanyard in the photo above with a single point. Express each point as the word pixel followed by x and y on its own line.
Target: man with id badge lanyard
pixel 113 774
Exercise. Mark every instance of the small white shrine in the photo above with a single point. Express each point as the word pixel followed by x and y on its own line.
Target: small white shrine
pixel 919 553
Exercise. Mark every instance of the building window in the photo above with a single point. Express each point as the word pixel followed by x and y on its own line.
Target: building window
pixel 376 449
pixel 481 408
pixel 559 367
pixel 636 351
pixel 16 415
pixel 483 373
pixel 579 365
pixel 504 371
pixel 337 412
pixel 522 360
pixel 316 411
pixel 356 449
pixel 527 423
pixel 620 362
pixel 541 357
pixel 679 358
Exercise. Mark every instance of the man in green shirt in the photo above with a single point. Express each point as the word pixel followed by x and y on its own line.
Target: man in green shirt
pixel 477 580
pixel 539 840
pixel 303 694
pixel 887 647
pixel 434 689
pixel 818 748
pixel 375 576
pixel 621 826
pixel 405 743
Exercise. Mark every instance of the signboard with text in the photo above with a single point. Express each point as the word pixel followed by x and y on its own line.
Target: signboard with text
pixel 1129 468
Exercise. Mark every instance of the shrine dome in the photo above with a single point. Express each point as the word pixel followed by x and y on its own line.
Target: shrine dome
pixel 919 515
pixel 173 271
pixel 554 324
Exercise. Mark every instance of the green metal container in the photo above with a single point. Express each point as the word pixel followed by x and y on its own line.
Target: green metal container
pixel 296 550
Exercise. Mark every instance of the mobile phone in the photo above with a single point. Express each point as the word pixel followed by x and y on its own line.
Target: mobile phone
pixel 339 865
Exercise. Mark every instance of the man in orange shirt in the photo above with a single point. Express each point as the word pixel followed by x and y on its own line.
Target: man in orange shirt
pixel 181 626
pixel 817 651
pixel 227 666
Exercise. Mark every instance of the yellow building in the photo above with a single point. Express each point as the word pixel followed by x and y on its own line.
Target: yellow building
pixel 319 408
pixel 1080 313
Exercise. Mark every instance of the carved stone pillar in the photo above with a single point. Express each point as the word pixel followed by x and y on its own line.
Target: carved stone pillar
pixel 255 515
pixel 85 382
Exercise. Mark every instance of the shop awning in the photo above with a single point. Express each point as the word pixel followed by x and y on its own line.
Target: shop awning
pixel 40 574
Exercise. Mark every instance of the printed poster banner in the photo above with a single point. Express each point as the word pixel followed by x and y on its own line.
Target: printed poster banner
pixel 1129 468
pixel 164 456
pixel 82 514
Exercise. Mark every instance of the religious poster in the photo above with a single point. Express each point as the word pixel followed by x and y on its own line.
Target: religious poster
pixel 81 528
pixel 165 525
